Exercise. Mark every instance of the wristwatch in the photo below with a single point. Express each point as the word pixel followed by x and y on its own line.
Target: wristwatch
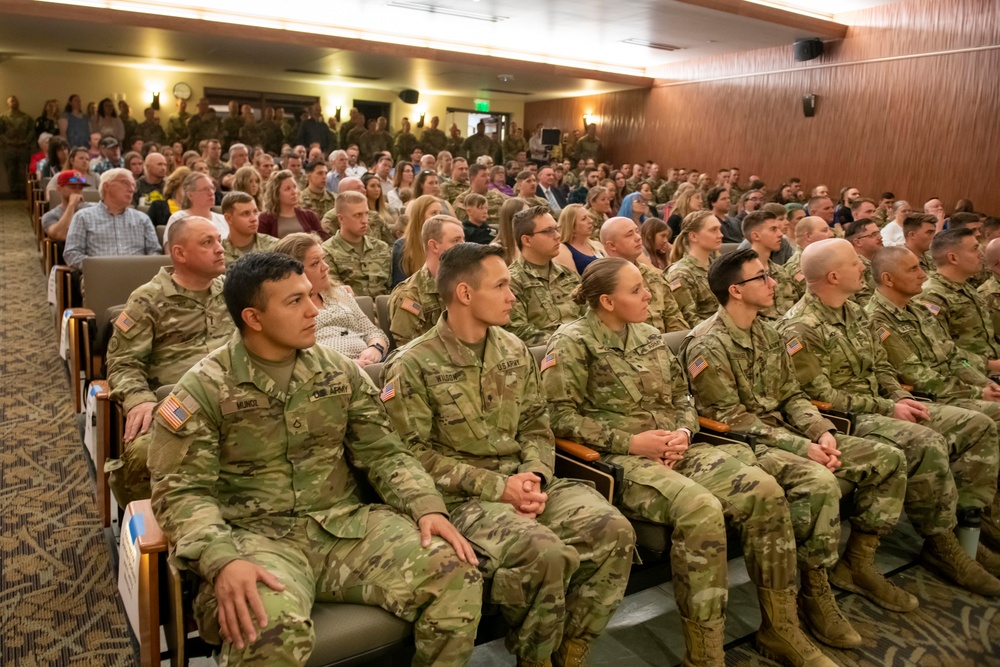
pixel 378 346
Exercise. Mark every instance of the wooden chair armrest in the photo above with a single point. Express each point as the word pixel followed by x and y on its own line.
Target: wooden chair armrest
pixel 79 359
pixel 581 452
pixel 822 405
pixel 153 541
pixel 151 548
pixel 713 425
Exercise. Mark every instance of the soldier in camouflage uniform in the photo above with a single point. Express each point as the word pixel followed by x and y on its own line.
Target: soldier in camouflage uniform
pixel 541 286
pixel 793 286
pixel 614 385
pixel 459 182
pixel 688 273
pixel 415 305
pixel 466 398
pixel 168 325
pixel 478 144
pixel 315 196
pixel 377 140
pixel 405 141
pixel 989 291
pixel 514 143
pixel 359 261
pixel 951 455
pixel 479 181
pixel 620 237
pixel 177 129
pixel 240 211
pixel 252 487
pixel 864 235
pixel 231 125
pixel 203 125
pixel 17 133
pixel 923 356
pixel 433 139
pixel 150 130
pixel 762 231
pixel 455 141
pixel 953 300
pixel 742 377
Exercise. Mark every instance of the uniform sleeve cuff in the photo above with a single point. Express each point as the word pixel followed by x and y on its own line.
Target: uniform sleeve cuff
pixel 621 442
pixel 819 428
pixel 493 488
pixel 431 504
pixel 138 398
pixel 215 557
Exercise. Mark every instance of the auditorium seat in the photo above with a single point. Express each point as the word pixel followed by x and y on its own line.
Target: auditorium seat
pixel 367 306
pixel 382 310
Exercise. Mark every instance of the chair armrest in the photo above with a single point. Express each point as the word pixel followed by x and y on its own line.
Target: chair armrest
pixel 154 541
pixel 152 549
pixel 107 445
pixel 822 405
pixel 581 452
pixel 67 292
pixel 713 425
pixel 80 360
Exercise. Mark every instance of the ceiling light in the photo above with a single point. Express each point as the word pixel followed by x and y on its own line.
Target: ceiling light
pixel 505 77
pixel 431 9
pixel 651 45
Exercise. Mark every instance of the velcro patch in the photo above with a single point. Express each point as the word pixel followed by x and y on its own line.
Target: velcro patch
pixel 933 307
pixel 175 412
pixel 411 306
pixel 883 333
pixel 675 284
pixel 793 347
pixel 697 366
pixel 124 322
pixel 388 392
pixel 549 361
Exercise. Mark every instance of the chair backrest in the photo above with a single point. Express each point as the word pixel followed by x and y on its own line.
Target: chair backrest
pixel 674 340
pixel 728 248
pixel 367 306
pixel 382 311
pixel 91 195
pixel 375 373
pixel 161 231
pixel 538 352
pixel 109 281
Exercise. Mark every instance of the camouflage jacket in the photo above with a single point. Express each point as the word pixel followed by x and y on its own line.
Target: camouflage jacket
pixel 414 306
pixel 664 313
pixel 688 280
pixel 261 243
pixel 368 271
pixel 542 305
pixel 963 314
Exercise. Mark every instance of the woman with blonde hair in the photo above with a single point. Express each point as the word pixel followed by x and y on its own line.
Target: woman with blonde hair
pixel 341 325
pixel 578 248
pixel 700 238
pixel 247 179
pixel 381 221
pixel 401 179
pixel 598 207
pixel 505 236
pixel 686 201
pixel 281 214
pixel 408 252
pixel 161 210
pixel 197 200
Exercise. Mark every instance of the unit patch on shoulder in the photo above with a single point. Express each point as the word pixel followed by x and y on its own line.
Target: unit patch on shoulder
pixel 697 366
pixel 124 322
pixel 411 306
pixel 793 346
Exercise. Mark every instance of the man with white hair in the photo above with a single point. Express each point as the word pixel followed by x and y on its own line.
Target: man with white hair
pixel 951 453
pixel 892 233
pixel 337 170
pixel 112 227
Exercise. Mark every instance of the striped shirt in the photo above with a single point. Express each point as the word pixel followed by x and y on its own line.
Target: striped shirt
pixel 95 232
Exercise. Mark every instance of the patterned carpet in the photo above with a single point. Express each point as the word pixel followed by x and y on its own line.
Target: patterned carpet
pixel 58 597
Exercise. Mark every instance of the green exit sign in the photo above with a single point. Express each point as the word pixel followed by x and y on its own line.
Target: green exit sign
pixel 483 106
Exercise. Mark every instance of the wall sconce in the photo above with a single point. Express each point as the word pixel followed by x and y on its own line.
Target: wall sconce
pixel 423 115
pixel 338 114
pixel 156 102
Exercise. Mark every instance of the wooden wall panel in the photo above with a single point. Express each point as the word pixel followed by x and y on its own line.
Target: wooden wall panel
pixel 920 127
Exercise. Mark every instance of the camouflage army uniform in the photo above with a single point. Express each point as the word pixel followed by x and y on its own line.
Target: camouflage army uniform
pixel 512 146
pixel 163 331
pixel 838 359
pixel 542 304
pixel 201 128
pixel 783 293
pixel 571 179
pixel 601 392
pixel 665 192
pixel 963 314
pixel 989 292
pixel 403 145
pixel 378 228
pixel 318 204
pixel 231 126
pixel 261 243
pixel 477 145
pixel 452 189
pixel 791 283
pixel 664 313
pixel 433 141
pixel 587 148
pixel 177 129
pixel 688 280
pixel 880 217
pixel 927 264
pixel 244 470
pixel 597 220
pixel 150 132
pixel 745 379
pixel 414 307
pixel 864 295
pixel 17 133
pixel 454 146
pixel 374 142
pixel 473 423
pixel 367 271
pixel 253 135
pixel 494 200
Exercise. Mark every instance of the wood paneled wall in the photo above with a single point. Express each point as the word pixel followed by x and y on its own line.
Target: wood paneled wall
pixel 887 118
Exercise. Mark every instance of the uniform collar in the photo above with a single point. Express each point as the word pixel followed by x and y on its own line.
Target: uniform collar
pixel 841 315
pixel 366 242
pixel 608 339
pixel 428 283
pixel 742 338
pixel 307 366
pixel 555 270
pixel 459 353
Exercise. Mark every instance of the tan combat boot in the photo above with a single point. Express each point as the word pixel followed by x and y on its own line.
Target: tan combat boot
pixel 856 572
pixel 945 556
pixel 704 643
pixel 780 638
pixel 822 615
pixel 571 653
pixel 989 559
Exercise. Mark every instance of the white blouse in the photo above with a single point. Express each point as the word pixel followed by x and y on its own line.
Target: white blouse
pixel 341 325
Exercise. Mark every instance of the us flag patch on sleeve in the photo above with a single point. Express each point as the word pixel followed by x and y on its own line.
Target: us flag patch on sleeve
pixel 697 366
pixel 933 307
pixel 549 361
pixel 675 284
pixel 883 333
pixel 124 322
pixel 793 346
pixel 411 306
pixel 174 412
pixel 388 391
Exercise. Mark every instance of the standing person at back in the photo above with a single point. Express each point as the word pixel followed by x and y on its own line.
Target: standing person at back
pixel 466 398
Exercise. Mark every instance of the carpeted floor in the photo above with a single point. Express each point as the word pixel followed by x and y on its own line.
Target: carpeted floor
pixel 58 597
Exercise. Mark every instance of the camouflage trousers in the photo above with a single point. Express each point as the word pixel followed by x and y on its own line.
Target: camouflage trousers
pixel 129 476
pixel 388 568
pixel 991 514
pixel 707 486
pixel 562 574
pixel 951 462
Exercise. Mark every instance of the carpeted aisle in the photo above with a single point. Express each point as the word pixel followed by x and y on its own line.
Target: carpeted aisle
pixel 58 597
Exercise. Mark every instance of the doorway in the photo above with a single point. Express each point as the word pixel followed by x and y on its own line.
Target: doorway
pixel 373 110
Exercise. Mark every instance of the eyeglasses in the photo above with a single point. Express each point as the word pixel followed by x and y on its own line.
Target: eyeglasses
pixel 548 231
pixel 761 277
pixel 865 236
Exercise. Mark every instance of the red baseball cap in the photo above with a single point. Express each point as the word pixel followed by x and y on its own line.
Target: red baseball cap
pixel 71 177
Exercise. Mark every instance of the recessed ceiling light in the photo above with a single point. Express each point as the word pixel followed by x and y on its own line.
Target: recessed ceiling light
pixel 651 45
pixel 431 9
pixel 505 77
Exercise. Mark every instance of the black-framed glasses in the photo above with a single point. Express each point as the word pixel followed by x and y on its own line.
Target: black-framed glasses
pixel 760 276
pixel 548 231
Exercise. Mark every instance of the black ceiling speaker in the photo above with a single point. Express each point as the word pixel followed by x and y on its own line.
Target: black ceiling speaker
pixel 807 49
pixel 409 96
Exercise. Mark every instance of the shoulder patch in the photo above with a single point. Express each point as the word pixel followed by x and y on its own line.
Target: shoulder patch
pixel 176 412
pixel 411 306
pixel 548 362
pixel 388 391
pixel 933 307
pixel 793 347
pixel 675 284
pixel 883 333
pixel 124 322
pixel 697 366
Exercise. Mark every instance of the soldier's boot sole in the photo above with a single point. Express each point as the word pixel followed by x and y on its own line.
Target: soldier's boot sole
pixel 571 653
pixel 951 562
pixel 989 559
pixel 773 646
pixel 883 593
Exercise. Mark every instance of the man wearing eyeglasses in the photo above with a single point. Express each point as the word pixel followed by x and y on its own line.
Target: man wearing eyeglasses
pixel 541 286
pixel 746 380
pixel 866 238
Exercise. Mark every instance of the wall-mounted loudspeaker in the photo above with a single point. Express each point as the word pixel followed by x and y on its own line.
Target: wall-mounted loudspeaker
pixel 809 105
pixel 807 49
pixel 409 96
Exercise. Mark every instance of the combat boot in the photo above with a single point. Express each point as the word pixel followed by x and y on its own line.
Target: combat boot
pixel 856 572
pixel 571 653
pixel 780 638
pixel 704 643
pixel 944 555
pixel 989 559
pixel 821 613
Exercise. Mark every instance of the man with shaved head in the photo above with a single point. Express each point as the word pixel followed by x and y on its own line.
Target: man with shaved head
pixel 951 453
pixel 924 356
pixel 822 207
pixel 620 237
pixel 168 325
pixel 809 230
